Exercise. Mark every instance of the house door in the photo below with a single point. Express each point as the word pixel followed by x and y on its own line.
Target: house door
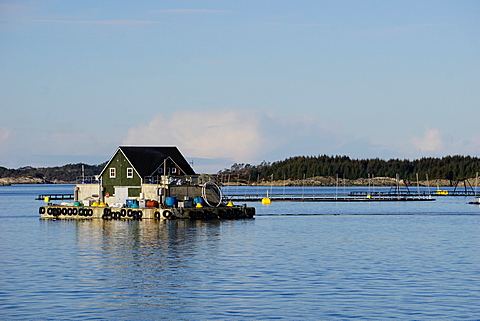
pixel 121 194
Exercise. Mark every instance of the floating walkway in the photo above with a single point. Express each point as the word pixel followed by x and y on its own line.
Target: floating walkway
pixel 300 198
pixel 52 197
pixel 412 194
pixel 354 196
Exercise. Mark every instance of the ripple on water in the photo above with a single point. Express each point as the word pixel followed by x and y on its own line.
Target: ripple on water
pixel 273 267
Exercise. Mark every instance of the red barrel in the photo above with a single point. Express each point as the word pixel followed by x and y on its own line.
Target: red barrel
pixel 151 204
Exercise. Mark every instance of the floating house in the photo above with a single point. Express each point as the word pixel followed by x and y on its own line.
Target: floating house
pixel 130 167
pixel 142 173
pixel 132 170
pixel 150 182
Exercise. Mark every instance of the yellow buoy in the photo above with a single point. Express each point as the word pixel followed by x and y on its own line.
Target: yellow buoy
pixel 230 203
pixel 46 199
pixel 95 204
pixel 199 205
pixel 369 196
pixel 102 204
pixel 266 200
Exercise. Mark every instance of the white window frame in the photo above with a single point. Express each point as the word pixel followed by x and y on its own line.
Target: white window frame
pixel 129 172
pixel 113 172
pixel 173 170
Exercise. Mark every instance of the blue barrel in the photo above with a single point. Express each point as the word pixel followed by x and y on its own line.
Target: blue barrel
pixel 130 203
pixel 171 201
pixel 198 200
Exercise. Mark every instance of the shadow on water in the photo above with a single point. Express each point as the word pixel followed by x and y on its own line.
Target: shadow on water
pixel 146 264
pixel 142 242
pixel 163 235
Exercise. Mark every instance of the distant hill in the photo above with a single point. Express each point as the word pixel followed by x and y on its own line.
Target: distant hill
pixel 60 174
pixel 451 168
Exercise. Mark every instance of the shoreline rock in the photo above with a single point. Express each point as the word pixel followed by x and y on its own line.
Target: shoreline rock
pixel 8 181
pixel 376 181
pixel 315 181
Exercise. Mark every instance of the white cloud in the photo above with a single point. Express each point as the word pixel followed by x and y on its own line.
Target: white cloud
pixel 475 144
pixel 5 141
pixel 4 134
pixel 215 139
pixel 247 136
pixel 431 141
pixel 205 134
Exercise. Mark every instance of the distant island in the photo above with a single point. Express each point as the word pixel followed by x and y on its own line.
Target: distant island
pixel 295 171
pixel 332 170
pixel 66 174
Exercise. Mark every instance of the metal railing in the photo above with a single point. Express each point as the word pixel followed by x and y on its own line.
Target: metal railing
pixel 172 179
pixel 87 180
pixel 56 196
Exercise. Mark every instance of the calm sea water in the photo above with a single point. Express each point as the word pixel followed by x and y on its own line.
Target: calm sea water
pixel 421 265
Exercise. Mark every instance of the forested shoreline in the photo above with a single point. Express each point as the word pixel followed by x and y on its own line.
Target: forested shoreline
pixel 451 168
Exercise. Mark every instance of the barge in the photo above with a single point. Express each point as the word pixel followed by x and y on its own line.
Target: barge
pixel 144 182
pixel 66 211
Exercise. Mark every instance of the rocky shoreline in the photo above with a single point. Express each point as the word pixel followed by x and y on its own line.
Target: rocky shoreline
pixel 332 181
pixel 7 181
pixel 315 181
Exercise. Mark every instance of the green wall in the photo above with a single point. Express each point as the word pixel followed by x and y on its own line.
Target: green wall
pixel 120 163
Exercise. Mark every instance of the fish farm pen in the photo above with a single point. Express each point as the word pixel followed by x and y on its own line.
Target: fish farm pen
pixel 55 197
pixel 351 197
pixel 297 198
pixel 396 193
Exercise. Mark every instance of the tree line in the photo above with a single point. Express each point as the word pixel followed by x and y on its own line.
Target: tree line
pixel 299 167
pixel 452 168
pixel 66 173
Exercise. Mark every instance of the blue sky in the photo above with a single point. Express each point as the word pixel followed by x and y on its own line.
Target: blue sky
pixel 238 81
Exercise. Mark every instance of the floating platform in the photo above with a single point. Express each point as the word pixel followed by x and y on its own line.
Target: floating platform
pixel 300 198
pixel 413 194
pixel 110 213
pixel 65 197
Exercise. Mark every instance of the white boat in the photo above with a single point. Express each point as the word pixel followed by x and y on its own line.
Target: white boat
pixel 476 200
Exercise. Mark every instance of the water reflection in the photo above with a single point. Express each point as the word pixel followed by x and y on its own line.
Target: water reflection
pixel 170 238
pixel 148 262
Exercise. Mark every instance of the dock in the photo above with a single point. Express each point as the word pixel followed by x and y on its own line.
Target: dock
pixel 411 194
pixel 52 197
pixel 394 194
pixel 327 198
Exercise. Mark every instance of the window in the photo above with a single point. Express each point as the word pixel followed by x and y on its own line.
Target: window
pixel 113 172
pixel 129 172
pixel 170 170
